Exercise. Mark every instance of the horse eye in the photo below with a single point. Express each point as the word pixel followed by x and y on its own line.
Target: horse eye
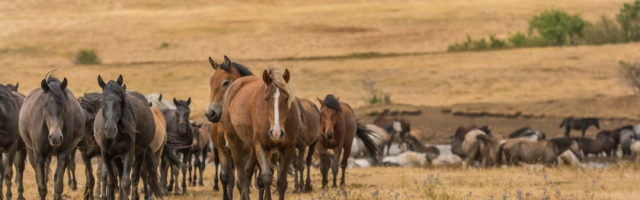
pixel 226 83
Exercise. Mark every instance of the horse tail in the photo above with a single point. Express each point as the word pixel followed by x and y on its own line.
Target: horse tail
pixel 150 174
pixel 167 152
pixel 366 136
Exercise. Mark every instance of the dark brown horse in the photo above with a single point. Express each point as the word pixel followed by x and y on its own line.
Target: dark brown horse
pixel 200 149
pixel 307 136
pixel 259 115
pixel 88 147
pixel 219 82
pixel 51 123
pixel 578 124
pixel 180 138
pixel 11 143
pixel 339 129
pixel 394 125
pixel 124 129
pixel 458 138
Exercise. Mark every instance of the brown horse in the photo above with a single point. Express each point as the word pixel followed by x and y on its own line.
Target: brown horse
pixel 200 149
pixel 394 125
pixel 88 147
pixel 51 123
pixel 124 129
pixel 545 151
pixel 259 116
pixel 180 136
pixel 307 136
pixel 339 128
pixel 458 138
pixel 11 143
pixel 219 82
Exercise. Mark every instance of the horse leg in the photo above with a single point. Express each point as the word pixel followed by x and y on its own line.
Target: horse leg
pixel 307 185
pixel 216 163
pixel 282 170
pixel 334 165
pixel 125 177
pixel 584 130
pixel 38 162
pixel 184 171
pixel 71 169
pixel 265 171
pixel 59 175
pixel 135 175
pixel 566 131
pixel 345 159
pixel 190 170
pixel 297 162
pixel 174 180
pixel 250 169
pixel 325 162
pixel 89 180
pixel 203 164
pixel 19 163
pixel 196 162
pixel 243 182
pixel 3 167
pixel 8 172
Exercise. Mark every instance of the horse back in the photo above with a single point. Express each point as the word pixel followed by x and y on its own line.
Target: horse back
pixel 145 124
pixel 160 136
pixel 310 117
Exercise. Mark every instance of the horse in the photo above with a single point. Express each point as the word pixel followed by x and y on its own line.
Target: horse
pixel 90 103
pixel 124 129
pixel 180 138
pixel 308 134
pixel 11 143
pixel 157 145
pixel 414 144
pixel 474 150
pixel 602 144
pixel 156 101
pixel 528 134
pixel 222 77
pixel 458 138
pixel 259 115
pixel 200 149
pixel 578 124
pixel 380 136
pixel 545 151
pixel 339 128
pixel 626 138
pixel 394 125
pixel 51 122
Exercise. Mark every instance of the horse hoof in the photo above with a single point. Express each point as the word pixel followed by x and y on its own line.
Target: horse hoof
pixel 201 184
pixel 216 188
pixel 308 189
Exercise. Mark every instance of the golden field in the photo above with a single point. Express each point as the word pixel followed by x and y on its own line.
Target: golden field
pixel 322 44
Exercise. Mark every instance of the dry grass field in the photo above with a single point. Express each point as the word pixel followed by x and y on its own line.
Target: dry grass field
pixel 342 47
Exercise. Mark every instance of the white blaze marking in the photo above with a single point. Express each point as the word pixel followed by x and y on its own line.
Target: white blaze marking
pixel 276 114
pixel 397 126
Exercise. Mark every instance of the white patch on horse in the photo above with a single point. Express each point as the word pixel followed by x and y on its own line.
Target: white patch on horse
pixel 276 113
pixel 397 126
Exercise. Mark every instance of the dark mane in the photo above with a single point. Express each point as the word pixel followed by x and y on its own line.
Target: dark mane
pixel 244 71
pixel 90 102
pixel 128 118
pixel 562 143
pixel 330 101
pixel 520 132
pixel 54 89
pixel 5 92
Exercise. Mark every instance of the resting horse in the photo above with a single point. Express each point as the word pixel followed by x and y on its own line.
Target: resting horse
pixel 124 129
pixel 51 123
pixel 339 128
pixel 529 134
pixel 546 151
pixel 578 124
pixel 458 138
pixel 394 125
pixel 10 142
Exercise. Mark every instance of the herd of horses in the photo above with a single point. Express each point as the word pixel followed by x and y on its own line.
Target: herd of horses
pixel 257 127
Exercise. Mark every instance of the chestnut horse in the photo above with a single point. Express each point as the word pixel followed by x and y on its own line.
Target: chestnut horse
pixel 222 77
pixel 309 132
pixel 340 127
pixel 259 116
pixel 51 122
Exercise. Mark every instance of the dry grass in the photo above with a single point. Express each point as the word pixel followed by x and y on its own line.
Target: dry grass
pixel 617 182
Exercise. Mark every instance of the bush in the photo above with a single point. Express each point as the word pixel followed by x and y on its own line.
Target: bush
pixel 558 27
pixel 164 45
pixel 518 39
pixel 379 99
pixel 497 43
pixel 87 57
pixel 603 32
pixel 629 20
pixel 632 73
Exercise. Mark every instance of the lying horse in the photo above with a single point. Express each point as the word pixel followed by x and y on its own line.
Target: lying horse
pixel 394 125
pixel 578 124
pixel 545 151
pixel 528 134
pixel 51 123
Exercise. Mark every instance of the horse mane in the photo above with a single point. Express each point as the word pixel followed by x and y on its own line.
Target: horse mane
pixel 91 102
pixel 562 143
pixel 330 101
pixel 54 88
pixel 519 132
pixel 5 92
pixel 244 71
pixel 127 119
pixel 277 78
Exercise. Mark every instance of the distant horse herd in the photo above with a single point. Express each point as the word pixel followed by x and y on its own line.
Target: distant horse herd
pixel 257 127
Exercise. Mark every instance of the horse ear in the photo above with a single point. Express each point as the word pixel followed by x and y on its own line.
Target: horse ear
pixel 286 75
pixel 124 87
pixel 17 84
pixel 189 101
pixel 320 101
pixel 44 85
pixel 120 81
pixel 226 65
pixel 63 85
pixel 266 77
pixel 175 102
pixel 160 97
pixel 214 64
pixel 338 99
pixel 101 82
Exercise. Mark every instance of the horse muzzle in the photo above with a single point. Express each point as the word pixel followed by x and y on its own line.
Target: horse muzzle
pixel 276 134
pixel 329 135
pixel 55 139
pixel 110 132
pixel 213 112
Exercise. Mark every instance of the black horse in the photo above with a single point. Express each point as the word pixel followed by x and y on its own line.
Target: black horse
pixel 180 139
pixel 124 127
pixel 11 144
pixel 578 124
pixel 88 147
pixel 51 123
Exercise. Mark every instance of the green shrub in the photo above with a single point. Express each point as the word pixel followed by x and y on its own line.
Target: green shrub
pixel 164 45
pixel 87 57
pixel 632 73
pixel 518 40
pixel 558 27
pixel 629 20
pixel 603 32
pixel 379 98
pixel 497 43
